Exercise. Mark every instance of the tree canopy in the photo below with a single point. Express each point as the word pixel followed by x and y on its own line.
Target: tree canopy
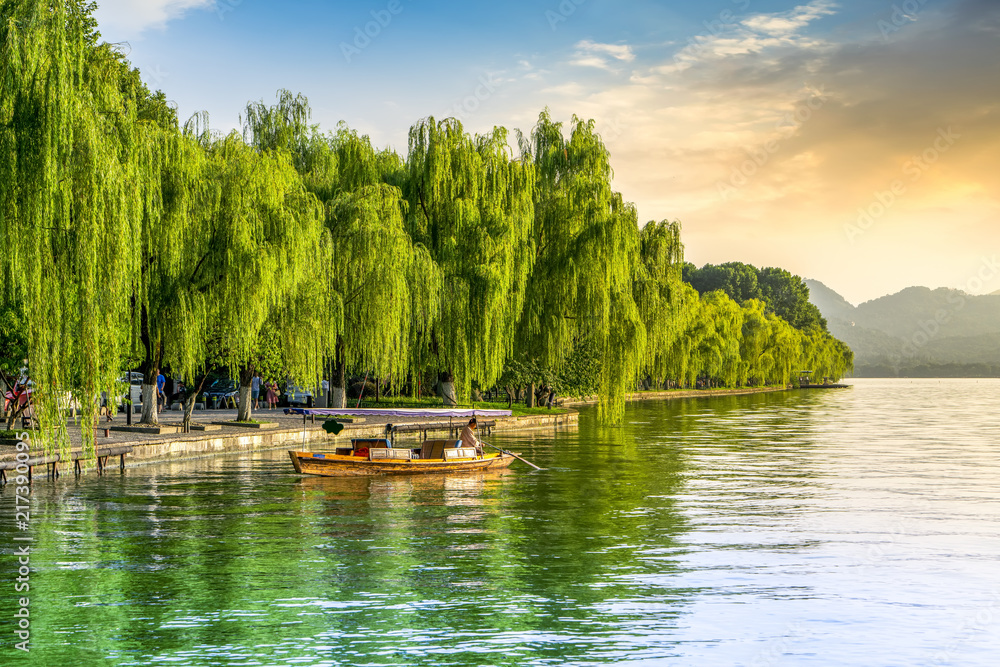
pixel 782 293
pixel 479 259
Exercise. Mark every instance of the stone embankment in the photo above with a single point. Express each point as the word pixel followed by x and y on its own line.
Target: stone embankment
pixel 284 433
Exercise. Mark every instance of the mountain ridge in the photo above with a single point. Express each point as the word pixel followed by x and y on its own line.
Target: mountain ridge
pixel 917 331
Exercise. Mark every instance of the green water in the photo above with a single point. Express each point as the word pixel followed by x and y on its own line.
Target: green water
pixel 855 527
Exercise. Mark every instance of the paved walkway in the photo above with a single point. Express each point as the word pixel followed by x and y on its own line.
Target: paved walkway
pixel 372 426
pixel 176 418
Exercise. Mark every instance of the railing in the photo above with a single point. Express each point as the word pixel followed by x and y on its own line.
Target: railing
pixel 52 462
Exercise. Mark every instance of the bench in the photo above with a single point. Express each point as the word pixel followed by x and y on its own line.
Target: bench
pixel 377 453
pixel 460 453
pixel 434 449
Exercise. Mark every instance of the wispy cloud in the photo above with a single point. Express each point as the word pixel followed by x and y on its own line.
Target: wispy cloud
pixel 755 34
pixel 601 56
pixel 791 21
pixel 119 18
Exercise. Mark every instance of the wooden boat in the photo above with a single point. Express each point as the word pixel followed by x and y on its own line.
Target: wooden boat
pixel 378 457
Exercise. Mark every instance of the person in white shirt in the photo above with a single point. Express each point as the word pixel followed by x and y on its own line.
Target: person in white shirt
pixel 469 438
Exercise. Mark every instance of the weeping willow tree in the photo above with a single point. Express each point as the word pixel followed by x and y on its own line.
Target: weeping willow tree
pixel 270 240
pixel 824 355
pixel 757 354
pixel 586 240
pixel 180 265
pixel 718 354
pixel 471 206
pixel 372 263
pixel 72 147
pixel 376 277
pixel 660 296
pixel 785 343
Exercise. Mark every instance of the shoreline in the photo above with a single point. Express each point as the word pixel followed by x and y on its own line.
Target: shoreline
pixel 294 432
pixel 672 394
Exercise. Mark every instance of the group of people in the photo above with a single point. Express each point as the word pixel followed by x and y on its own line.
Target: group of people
pixel 271 395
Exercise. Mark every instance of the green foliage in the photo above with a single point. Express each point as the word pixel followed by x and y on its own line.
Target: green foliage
pixel 470 205
pixel 13 339
pixel 72 150
pixel 586 242
pixel 783 294
pixel 130 239
pixel 579 374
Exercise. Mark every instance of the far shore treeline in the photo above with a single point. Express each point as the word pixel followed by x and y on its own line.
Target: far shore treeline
pixel 129 239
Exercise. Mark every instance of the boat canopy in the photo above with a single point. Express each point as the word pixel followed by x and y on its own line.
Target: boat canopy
pixel 396 412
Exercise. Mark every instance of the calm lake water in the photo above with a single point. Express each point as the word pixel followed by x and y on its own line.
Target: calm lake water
pixel 854 527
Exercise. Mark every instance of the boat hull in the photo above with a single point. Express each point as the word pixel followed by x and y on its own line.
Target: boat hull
pixel 308 463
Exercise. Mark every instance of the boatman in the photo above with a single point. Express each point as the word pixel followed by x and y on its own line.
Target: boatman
pixel 469 438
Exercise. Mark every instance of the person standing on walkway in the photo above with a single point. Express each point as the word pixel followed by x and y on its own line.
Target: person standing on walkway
pixel 160 384
pixel 272 395
pixel 255 391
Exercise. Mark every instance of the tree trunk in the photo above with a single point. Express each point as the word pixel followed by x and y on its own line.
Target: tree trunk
pixel 529 400
pixel 150 370
pixel 510 396
pixel 15 412
pixel 189 411
pixel 447 383
pixel 338 382
pixel 244 411
pixel 339 395
pixel 189 401
pixel 149 411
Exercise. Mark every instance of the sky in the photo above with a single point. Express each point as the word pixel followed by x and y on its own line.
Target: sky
pixel 852 142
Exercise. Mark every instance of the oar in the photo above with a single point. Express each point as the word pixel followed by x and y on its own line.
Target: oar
pixel 504 451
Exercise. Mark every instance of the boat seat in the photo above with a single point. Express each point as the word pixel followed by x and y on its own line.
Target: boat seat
pixel 460 453
pixel 390 453
pixel 434 449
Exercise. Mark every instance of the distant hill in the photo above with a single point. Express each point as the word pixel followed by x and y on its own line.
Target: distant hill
pixel 917 332
pixel 831 304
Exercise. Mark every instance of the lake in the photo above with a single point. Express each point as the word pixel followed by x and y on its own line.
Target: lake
pixel 840 527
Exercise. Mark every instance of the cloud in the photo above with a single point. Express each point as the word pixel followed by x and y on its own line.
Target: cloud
pixel 129 18
pixel 791 21
pixel 754 34
pixel 601 56
pixel 818 125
